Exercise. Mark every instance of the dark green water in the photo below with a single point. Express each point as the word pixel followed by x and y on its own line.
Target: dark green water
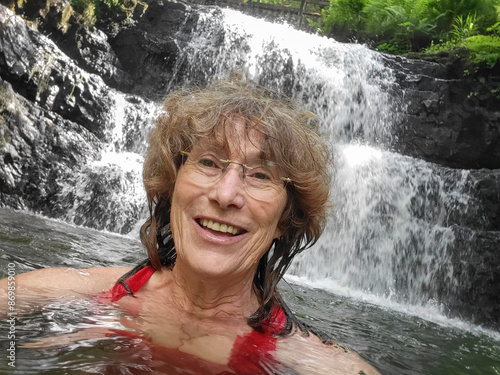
pixel 395 342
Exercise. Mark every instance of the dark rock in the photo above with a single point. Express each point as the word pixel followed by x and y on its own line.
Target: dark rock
pixel 87 47
pixel 449 121
pixel 486 192
pixel 477 266
pixel 55 120
pixel 148 51
pixel 40 150
pixel 41 73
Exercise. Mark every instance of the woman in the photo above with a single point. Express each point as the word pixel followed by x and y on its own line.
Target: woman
pixel 237 183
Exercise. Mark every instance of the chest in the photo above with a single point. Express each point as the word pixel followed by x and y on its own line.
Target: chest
pixel 164 325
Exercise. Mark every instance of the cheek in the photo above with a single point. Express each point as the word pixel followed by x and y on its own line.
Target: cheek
pixel 175 222
pixel 181 197
pixel 275 222
pixel 175 210
pixel 184 191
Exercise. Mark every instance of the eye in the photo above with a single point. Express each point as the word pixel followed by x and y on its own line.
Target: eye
pixel 209 161
pixel 260 174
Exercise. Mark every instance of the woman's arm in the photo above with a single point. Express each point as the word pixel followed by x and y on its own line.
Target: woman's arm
pixel 31 289
pixel 309 355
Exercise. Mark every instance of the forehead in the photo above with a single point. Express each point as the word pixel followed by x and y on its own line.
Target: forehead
pixel 235 138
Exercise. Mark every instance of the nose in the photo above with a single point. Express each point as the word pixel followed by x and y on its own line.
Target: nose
pixel 228 190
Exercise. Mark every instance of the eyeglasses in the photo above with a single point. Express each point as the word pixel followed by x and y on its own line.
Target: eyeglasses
pixel 262 179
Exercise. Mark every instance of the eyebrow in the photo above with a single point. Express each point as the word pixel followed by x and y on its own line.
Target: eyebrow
pixel 219 148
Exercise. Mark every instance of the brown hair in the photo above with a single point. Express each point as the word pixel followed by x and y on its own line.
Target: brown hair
pixel 290 139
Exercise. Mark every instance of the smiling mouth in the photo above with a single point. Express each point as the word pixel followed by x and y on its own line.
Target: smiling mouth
pixel 218 227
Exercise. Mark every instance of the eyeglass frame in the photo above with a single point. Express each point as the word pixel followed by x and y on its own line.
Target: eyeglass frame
pixel 286 180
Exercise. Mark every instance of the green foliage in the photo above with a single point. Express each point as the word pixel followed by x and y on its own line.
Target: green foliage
pixel 486 48
pixel 445 12
pixel 389 48
pixel 91 11
pixel 81 12
pixel 482 48
pixel 387 15
pixel 464 28
pixel 274 2
pixel 495 29
pixel 346 14
pixel 400 26
pixel 285 3
pixel 84 11
pixel 66 15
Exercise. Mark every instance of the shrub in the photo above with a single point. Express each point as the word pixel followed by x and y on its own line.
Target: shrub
pixel 464 27
pixel 399 26
pixel 485 48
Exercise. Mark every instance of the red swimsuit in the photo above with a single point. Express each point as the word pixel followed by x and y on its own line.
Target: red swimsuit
pixel 252 353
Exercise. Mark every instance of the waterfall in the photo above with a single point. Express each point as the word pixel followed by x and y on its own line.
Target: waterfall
pixel 108 192
pixel 390 233
pixel 346 85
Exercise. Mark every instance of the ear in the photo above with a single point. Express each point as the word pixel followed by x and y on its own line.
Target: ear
pixel 277 233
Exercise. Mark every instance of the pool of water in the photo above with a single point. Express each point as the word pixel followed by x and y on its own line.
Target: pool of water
pixel 394 341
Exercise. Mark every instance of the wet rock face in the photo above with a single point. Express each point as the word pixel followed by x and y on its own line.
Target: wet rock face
pixel 135 56
pixel 45 76
pixel 149 50
pixel 476 262
pixel 51 123
pixel 455 122
pixel 450 121
pixel 88 48
pixel 55 120
pixel 40 150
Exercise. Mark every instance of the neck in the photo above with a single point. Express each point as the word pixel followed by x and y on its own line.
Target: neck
pixel 207 297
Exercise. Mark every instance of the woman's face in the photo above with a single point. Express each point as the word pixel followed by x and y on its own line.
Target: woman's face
pixel 219 229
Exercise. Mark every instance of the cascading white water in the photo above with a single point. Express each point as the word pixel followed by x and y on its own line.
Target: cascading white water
pixel 388 235
pixel 108 192
pixel 345 85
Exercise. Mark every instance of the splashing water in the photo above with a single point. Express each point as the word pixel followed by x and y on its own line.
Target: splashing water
pixel 389 234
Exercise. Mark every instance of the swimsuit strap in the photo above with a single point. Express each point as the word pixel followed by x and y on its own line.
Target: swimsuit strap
pixel 276 322
pixel 255 352
pixel 129 286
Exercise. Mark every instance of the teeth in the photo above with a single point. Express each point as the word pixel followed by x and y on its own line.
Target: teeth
pixel 224 228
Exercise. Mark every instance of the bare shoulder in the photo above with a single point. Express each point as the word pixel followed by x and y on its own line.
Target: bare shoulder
pixel 32 290
pixel 309 355
pixel 61 280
